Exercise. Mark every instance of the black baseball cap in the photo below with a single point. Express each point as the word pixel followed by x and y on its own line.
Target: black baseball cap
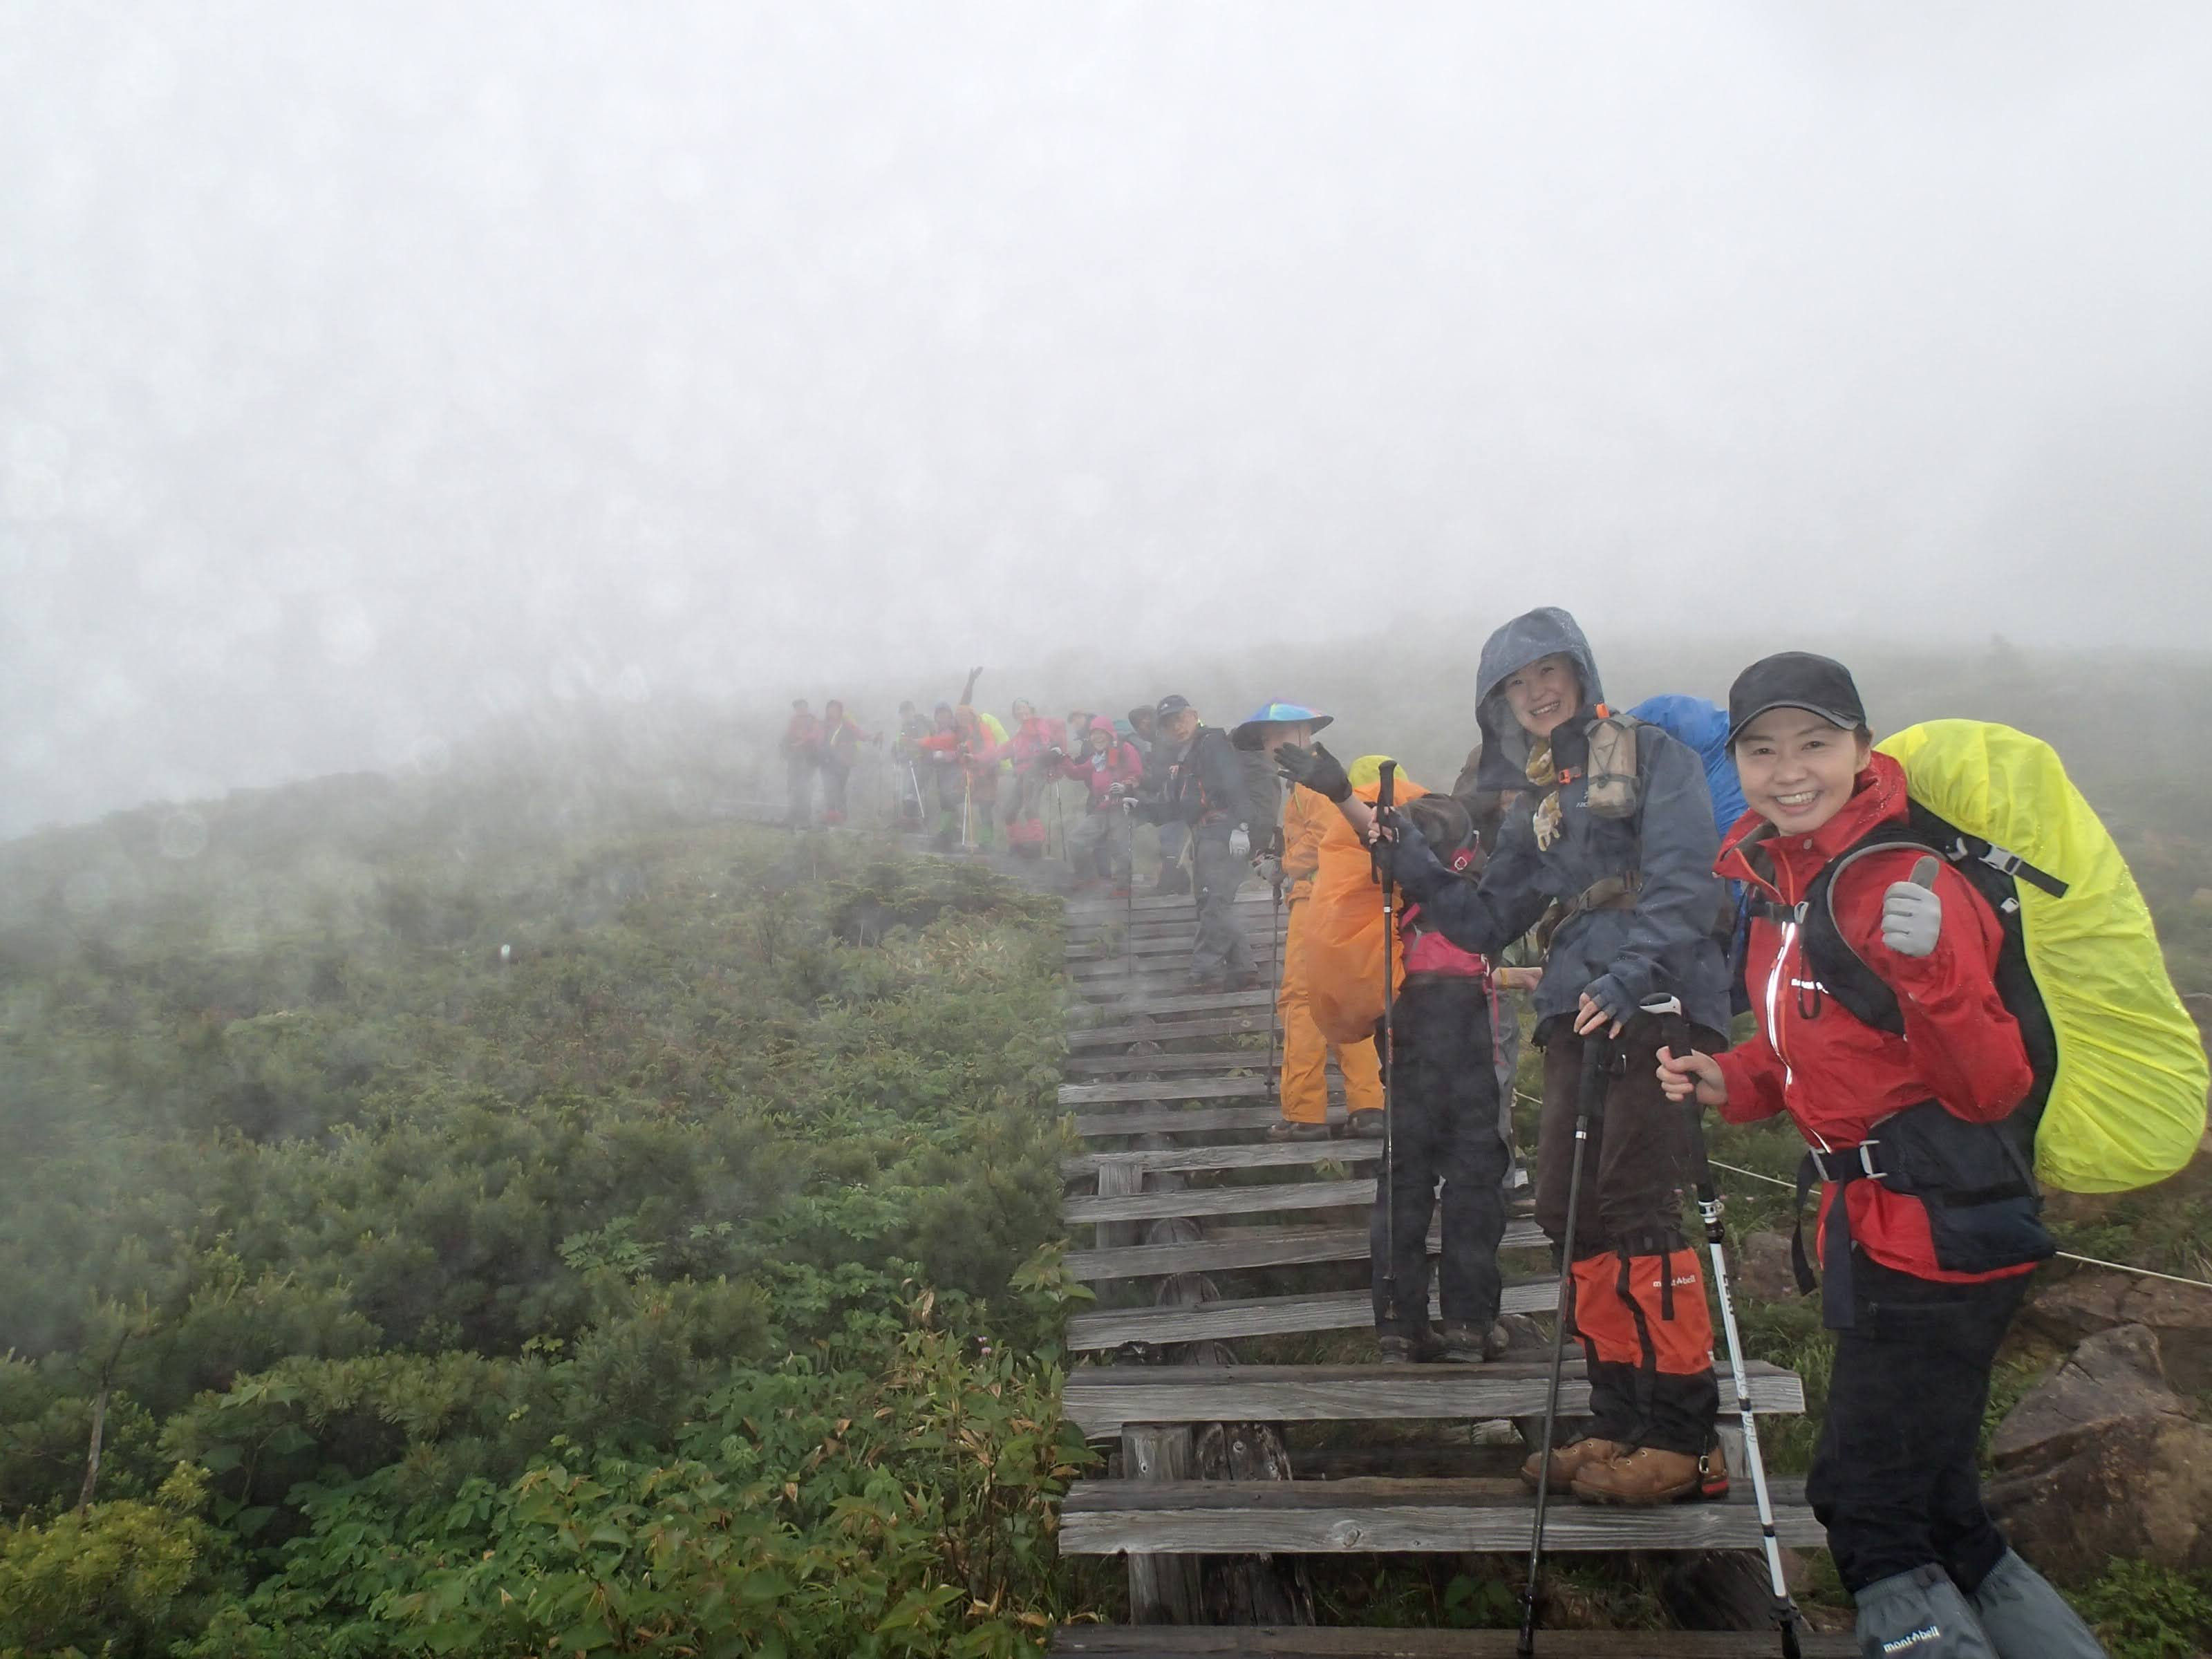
pixel 1795 679
pixel 1174 704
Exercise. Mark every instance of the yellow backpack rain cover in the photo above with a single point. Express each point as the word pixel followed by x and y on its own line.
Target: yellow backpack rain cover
pixel 2128 1100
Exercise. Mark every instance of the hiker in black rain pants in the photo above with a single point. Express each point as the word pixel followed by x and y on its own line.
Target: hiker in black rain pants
pixel 1624 884
pixel 1205 789
pixel 1443 1093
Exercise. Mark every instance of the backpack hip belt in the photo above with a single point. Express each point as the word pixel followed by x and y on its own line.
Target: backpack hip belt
pixel 1612 893
pixel 1978 1191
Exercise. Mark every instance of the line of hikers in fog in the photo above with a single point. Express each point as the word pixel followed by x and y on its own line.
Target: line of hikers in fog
pixel 1644 876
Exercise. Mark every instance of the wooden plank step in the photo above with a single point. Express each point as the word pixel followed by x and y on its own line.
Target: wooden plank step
pixel 1102 1398
pixel 1164 970
pixel 1254 1199
pixel 1322 1642
pixel 1371 1515
pixel 1191 1120
pixel 1105 908
pixel 1244 1155
pixel 1198 1002
pixel 1099 942
pixel 1258 1246
pixel 1200 1088
pixel 1267 1316
pixel 1105 939
pixel 1092 1036
pixel 1201 1060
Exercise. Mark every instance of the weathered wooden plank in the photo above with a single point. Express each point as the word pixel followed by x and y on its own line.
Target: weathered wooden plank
pixel 1163 1589
pixel 1187 1119
pixel 1199 1002
pixel 1214 1088
pixel 1162 953
pixel 1258 1246
pixel 1219 1200
pixel 1108 907
pixel 1092 1036
pixel 1107 980
pixel 1325 1641
pixel 1379 1515
pixel 1266 1316
pixel 1246 1155
pixel 1102 1398
pixel 1253 1059
pixel 1098 944
pixel 1119 1185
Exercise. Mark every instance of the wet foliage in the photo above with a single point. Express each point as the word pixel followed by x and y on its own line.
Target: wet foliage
pixel 497 1237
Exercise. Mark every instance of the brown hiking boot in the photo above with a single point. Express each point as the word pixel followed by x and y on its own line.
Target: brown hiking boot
pixel 1287 1130
pixel 1568 1460
pixel 1471 1344
pixel 1420 1350
pixel 1368 1124
pixel 1645 1474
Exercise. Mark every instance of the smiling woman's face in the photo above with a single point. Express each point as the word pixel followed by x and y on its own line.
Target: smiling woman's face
pixel 1544 694
pixel 1797 768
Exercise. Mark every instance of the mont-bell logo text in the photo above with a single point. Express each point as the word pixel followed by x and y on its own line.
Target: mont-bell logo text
pixel 1913 1639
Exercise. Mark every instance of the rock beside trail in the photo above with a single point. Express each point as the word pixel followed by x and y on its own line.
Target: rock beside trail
pixel 2113 1377
pixel 2086 1303
pixel 2104 1458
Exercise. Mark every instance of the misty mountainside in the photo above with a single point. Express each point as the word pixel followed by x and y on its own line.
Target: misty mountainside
pixel 488 1207
pixel 519 1198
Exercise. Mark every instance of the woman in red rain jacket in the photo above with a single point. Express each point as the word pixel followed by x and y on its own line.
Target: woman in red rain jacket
pixel 1111 768
pixel 1928 1227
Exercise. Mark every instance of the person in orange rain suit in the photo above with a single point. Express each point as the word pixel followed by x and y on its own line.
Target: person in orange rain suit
pixel 1302 1092
pixel 978 743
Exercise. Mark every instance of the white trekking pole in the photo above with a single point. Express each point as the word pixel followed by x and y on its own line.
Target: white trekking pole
pixel 1709 1212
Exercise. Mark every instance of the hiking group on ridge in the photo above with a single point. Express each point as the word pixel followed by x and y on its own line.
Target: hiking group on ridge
pixel 1642 876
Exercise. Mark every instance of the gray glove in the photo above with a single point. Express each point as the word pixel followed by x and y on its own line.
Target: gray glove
pixel 1912 918
pixel 1269 870
pixel 1239 842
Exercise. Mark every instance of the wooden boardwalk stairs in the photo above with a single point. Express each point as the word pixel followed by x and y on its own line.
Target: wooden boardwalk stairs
pixel 1218 1256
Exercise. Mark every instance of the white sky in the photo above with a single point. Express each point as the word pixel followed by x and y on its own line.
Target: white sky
pixel 364 368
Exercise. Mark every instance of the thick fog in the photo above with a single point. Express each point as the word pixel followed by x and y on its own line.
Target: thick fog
pixel 367 369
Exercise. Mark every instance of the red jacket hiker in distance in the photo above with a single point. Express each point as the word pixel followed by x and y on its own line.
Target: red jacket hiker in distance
pixel 1838 1079
pixel 1101 768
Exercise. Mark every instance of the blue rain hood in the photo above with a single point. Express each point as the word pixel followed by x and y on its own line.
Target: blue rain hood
pixel 1703 726
pixel 1546 632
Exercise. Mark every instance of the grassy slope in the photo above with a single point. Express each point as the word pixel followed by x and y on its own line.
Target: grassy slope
pixel 695 1236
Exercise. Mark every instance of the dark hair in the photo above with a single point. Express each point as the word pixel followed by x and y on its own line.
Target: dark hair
pixel 1442 822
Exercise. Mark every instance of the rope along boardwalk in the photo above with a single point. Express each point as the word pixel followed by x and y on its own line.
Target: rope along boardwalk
pixel 1213 1252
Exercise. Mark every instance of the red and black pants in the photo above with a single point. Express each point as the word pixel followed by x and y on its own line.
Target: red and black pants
pixel 1634 1289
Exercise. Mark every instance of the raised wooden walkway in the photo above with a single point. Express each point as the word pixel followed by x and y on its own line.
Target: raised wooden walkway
pixel 1171 1093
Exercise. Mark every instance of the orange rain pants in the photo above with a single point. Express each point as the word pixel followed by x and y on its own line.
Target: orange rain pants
pixel 1304 1091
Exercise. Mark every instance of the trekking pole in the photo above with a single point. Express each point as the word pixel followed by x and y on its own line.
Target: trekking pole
pixel 1590 1102
pixel 1709 1212
pixel 1383 797
pixel 1129 902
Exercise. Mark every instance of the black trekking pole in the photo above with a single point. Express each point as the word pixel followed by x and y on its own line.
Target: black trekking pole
pixel 1709 1212
pixel 1381 858
pixel 1589 1104
pixel 1129 902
